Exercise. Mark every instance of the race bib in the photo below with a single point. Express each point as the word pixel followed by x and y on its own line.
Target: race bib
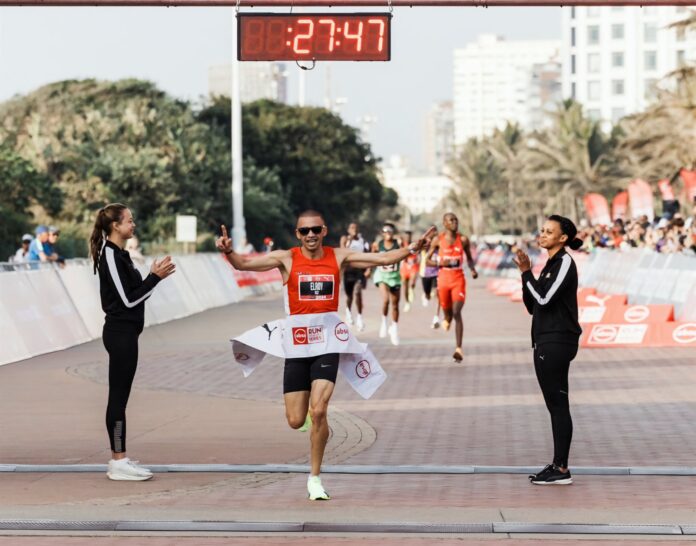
pixel 389 268
pixel 316 287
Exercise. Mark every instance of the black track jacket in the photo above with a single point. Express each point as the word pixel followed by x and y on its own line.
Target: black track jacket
pixel 123 291
pixel 552 300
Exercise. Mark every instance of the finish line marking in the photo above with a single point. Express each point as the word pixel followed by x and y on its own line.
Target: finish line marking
pixel 338 527
pixel 362 469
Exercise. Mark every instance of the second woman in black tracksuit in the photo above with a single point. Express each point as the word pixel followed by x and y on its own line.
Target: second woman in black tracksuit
pixel 123 293
pixel 552 301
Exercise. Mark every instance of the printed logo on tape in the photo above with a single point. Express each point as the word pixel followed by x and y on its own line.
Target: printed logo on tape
pixel 341 332
pixel 362 369
pixel 306 335
pixel 299 336
pixel 685 333
pixel 636 313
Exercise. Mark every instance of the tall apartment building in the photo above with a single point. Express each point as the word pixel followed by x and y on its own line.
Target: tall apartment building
pixel 492 80
pixel 258 80
pixel 419 194
pixel 615 56
pixel 439 137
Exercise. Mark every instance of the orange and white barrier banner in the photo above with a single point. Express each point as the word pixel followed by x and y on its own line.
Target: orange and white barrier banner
pixel 666 334
pixel 626 314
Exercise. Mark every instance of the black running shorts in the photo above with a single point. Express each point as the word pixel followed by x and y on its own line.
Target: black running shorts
pixel 300 372
pixel 428 284
pixel 351 278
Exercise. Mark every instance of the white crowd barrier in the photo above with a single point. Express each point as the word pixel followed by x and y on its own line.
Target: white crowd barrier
pixel 646 277
pixel 45 308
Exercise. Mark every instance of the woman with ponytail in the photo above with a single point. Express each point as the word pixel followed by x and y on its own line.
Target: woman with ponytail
pixel 123 294
pixel 552 300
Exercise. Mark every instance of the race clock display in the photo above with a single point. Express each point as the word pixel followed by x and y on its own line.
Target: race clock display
pixel 312 36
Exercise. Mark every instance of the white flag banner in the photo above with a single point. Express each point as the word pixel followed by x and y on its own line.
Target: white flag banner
pixel 302 336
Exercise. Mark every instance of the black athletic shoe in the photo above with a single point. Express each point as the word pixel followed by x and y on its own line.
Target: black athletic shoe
pixel 548 468
pixel 551 475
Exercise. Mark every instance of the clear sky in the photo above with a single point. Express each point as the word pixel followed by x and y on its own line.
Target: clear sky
pixel 174 47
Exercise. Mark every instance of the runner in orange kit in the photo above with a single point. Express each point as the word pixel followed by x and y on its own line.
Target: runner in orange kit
pixel 451 248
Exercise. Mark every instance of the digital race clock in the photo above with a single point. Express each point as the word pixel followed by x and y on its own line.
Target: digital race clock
pixel 312 36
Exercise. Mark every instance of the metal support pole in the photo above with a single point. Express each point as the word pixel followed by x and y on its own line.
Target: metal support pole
pixel 238 225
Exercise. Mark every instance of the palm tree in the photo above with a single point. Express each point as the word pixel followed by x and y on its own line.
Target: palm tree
pixel 571 158
pixel 662 139
pixel 470 170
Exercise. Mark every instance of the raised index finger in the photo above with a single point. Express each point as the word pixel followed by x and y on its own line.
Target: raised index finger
pixel 224 230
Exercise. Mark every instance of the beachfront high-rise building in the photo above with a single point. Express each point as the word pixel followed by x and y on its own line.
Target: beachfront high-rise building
pixel 492 82
pixel 615 56
pixel 439 137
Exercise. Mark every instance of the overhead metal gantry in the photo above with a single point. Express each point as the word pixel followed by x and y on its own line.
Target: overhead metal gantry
pixel 345 3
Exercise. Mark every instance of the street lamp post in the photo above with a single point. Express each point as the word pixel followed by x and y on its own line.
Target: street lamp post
pixel 238 224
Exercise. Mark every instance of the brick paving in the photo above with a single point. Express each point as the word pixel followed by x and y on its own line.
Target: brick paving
pixel 191 405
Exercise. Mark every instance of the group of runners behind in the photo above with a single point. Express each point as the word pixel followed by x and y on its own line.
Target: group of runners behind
pixel 440 267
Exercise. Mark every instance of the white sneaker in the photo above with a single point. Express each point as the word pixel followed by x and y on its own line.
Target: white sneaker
pixel 127 470
pixel 359 323
pixel 383 329
pixel 424 300
pixel 394 333
pixel 349 318
pixel 407 307
pixel 316 490
pixel 436 323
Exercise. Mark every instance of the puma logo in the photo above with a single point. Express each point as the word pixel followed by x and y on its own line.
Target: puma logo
pixel 541 356
pixel 270 332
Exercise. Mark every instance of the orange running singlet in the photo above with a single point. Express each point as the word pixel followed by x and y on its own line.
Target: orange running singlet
pixel 313 285
pixel 451 282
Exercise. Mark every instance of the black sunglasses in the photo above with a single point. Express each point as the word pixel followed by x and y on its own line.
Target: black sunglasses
pixel 314 229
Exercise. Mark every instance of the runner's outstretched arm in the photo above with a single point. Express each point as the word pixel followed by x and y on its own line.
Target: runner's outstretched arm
pixel 263 262
pixel 364 259
pixel 434 244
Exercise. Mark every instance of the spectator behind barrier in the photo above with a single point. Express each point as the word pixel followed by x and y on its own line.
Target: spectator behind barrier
pixel 37 249
pixel 53 236
pixel 22 254
pixel 667 236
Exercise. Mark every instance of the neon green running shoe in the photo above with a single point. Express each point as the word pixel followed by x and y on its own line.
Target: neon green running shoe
pixel 307 424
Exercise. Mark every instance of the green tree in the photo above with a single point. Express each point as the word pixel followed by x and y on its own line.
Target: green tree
pixel 122 141
pixel 319 162
pixel 22 188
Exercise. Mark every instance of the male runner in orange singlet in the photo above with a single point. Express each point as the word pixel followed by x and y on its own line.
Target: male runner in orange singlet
pixel 451 247
pixel 312 278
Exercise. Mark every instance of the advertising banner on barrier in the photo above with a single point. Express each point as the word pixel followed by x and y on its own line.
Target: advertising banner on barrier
pixel 689 179
pixel 626 314
pixel 619 206
pixel 667 334
pixel 640 198
pixel 597 209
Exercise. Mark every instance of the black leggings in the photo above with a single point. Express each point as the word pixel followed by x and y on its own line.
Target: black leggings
pixel 551 363
pixel 123 361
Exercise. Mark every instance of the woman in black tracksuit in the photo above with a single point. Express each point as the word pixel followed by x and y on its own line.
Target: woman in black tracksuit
pixel 553 303
pixel 123 294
